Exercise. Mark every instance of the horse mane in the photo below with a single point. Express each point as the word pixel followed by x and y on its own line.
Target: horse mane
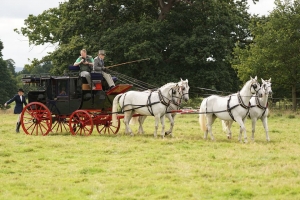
pixel 168 85
pixel 246 84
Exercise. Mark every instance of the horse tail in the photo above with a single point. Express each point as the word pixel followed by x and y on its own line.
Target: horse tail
pixel 115 109
pixel 202 114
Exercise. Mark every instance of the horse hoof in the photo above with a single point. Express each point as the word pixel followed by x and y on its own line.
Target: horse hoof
pixel 167 133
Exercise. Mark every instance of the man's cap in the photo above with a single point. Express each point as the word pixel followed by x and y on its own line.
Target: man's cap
pixel 101 52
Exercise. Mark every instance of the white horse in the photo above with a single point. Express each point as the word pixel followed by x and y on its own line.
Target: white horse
pixel 144 103
pixel 232 107
pixel 258 110
pixel 170 115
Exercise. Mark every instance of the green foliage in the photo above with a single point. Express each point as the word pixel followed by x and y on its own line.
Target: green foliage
pixel 7 82
pixel 184 39
pixel 275 48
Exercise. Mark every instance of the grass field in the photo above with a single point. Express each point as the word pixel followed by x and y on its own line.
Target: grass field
pixel 142 167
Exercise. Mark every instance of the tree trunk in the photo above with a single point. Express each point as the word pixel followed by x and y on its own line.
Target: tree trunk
pixel 164 8
pixel 294 97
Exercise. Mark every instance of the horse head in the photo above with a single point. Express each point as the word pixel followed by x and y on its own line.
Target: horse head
pixel 255 86
pixel 266 87
pixel 184 87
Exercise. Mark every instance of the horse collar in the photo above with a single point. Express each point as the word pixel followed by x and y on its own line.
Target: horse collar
pixel 260 106
pixel 162 100
pixel 241 102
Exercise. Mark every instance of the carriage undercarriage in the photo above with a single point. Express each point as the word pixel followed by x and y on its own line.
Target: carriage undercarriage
pixel 37 120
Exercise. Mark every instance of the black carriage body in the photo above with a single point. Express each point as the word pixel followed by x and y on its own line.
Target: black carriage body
pixel 63 95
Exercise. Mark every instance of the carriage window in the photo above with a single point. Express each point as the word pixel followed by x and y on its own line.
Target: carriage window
pixel 62 87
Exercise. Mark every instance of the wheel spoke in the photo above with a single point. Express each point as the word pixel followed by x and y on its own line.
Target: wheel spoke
pixel 36 118
pixel 81 123
pixel 107 127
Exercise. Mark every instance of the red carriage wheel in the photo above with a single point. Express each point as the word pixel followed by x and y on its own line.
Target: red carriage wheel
pixel 81 123
pixel 60 124
pixel 106 127
pixel 36 119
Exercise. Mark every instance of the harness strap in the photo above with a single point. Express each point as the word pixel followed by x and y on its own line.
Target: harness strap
pixel 260 106
pixel 123 101
pixel 149 103
pixel 241 103
pixel 162 100
pixel 229 109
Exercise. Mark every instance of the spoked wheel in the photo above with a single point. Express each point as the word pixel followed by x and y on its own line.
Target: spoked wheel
pixel 106 127
pixel 60 124
pixel 81 123
pixel 36 119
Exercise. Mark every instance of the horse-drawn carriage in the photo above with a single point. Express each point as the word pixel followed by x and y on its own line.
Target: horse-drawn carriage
pixel 67 104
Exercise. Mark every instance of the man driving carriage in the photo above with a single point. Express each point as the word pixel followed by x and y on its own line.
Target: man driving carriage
pixel 99 68
pixel 85 62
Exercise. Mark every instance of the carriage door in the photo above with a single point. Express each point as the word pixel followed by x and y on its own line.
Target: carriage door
pixel 62 93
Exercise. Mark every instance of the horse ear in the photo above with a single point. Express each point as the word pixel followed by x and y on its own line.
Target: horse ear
pixel 255 78
pixel 262 80
pixel 270 80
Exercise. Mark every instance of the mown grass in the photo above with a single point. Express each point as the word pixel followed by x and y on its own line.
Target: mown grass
pixel 142 167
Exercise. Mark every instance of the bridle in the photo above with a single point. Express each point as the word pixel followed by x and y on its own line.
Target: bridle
pixel 176 100
pixel 255 86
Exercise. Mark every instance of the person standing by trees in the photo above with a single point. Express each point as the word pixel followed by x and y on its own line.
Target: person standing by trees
pixel 85 62
pixel 20 100
pixel 99 68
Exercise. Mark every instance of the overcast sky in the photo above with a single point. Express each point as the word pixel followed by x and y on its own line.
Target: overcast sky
pixel 14 12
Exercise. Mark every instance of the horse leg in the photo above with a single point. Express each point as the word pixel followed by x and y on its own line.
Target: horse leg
pixel 162 121
pixel 253 127
pixel 141 121
pixel 171 119
pixel 229 133
pixel 210 120
pixel 127 117
pixel 242 129
pixel 156 125
pixel 265 124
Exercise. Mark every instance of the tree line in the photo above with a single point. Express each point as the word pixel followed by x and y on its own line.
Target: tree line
pixel 215 44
